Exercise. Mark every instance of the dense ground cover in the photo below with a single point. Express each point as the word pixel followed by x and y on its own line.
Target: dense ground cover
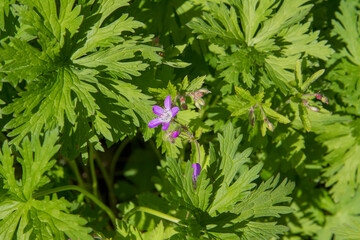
pixel 196 119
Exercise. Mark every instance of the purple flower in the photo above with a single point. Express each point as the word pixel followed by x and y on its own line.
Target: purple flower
pixel 170 136
pixel 196 173
pixel 175 134
pixel 165 114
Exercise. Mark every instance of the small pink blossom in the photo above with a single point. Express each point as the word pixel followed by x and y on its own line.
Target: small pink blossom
pixel 165 114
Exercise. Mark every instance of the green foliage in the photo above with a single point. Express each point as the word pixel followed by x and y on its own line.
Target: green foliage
pixel 82 78
pixel 345 75
pixel 243 103
pixel 74 59
pixel 344 223
pixel 260 40
pixel 126 232
pixel 21 215
pixel 186 90
pixel 226 202
pixel 342 159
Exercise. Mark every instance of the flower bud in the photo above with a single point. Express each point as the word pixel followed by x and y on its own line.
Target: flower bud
pixel 183 103
pixel 199 102
pixel 269 125
pixel 175 134
pixel 182 100
pixel 312 108
pixel 170 136
pixel 252 117
pixel 322 98
pixel 196 173
pixel 203 90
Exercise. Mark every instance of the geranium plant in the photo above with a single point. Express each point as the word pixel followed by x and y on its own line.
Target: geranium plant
pixel 233 119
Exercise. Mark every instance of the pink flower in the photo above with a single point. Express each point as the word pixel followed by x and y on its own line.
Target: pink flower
pixel 165 114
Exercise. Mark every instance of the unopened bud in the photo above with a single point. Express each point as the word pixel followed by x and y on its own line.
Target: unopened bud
pixel 183 103
pixel 322 98
pixel 314 109
pixel 168 137
pixel 198 94
pixel 182 100
pixel 252 116
pixel 269 125
pixel 196 173
pixel 184 106
pixel 203 90
pixel 175 134
pixel 199 102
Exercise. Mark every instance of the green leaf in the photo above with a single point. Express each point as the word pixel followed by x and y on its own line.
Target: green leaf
pixel 312 79
pixel 4 12
pixel 277 116
pixel 226 202
pixel 342 142
pixel 74 58
pixel 270 41
pixel 22 215
pixel 177 63
pixel 298 72
pixel 171 149
pixel 304 116
pixel 347 27
pixel 127 232
pixel 196 84
pixel 33 166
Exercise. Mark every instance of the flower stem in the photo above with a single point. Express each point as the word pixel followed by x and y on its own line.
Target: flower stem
pixel 156 151
pixel 152 212
pixel 92 170
pixel 111 178
pixel 116 157
pixel 83 191
pixel 108 182
pixel 75 169
pixel 192 139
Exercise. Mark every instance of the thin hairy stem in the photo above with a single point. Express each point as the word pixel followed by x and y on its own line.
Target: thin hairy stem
pixel 92 170
pixel 152 212
pixel 74 167
pixel 192 138
pixel 83 191
pixel 108 182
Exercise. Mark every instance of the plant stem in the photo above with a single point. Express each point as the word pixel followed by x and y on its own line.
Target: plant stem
pixel 83 191
pixel 116 157
pixel 108 183
pixel 152 212
pixel 192 139
pixel 92 170
pixel 3 137
pixel 156 151
pixel 75 169
pixel 110 179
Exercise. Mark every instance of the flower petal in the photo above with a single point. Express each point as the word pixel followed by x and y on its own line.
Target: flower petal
pixel 175 134
pixel 196 173
pixel 158 110
pixel 165 126
pixel 174 111
pixel 197 170
pixel 167 102
pixel 154 123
